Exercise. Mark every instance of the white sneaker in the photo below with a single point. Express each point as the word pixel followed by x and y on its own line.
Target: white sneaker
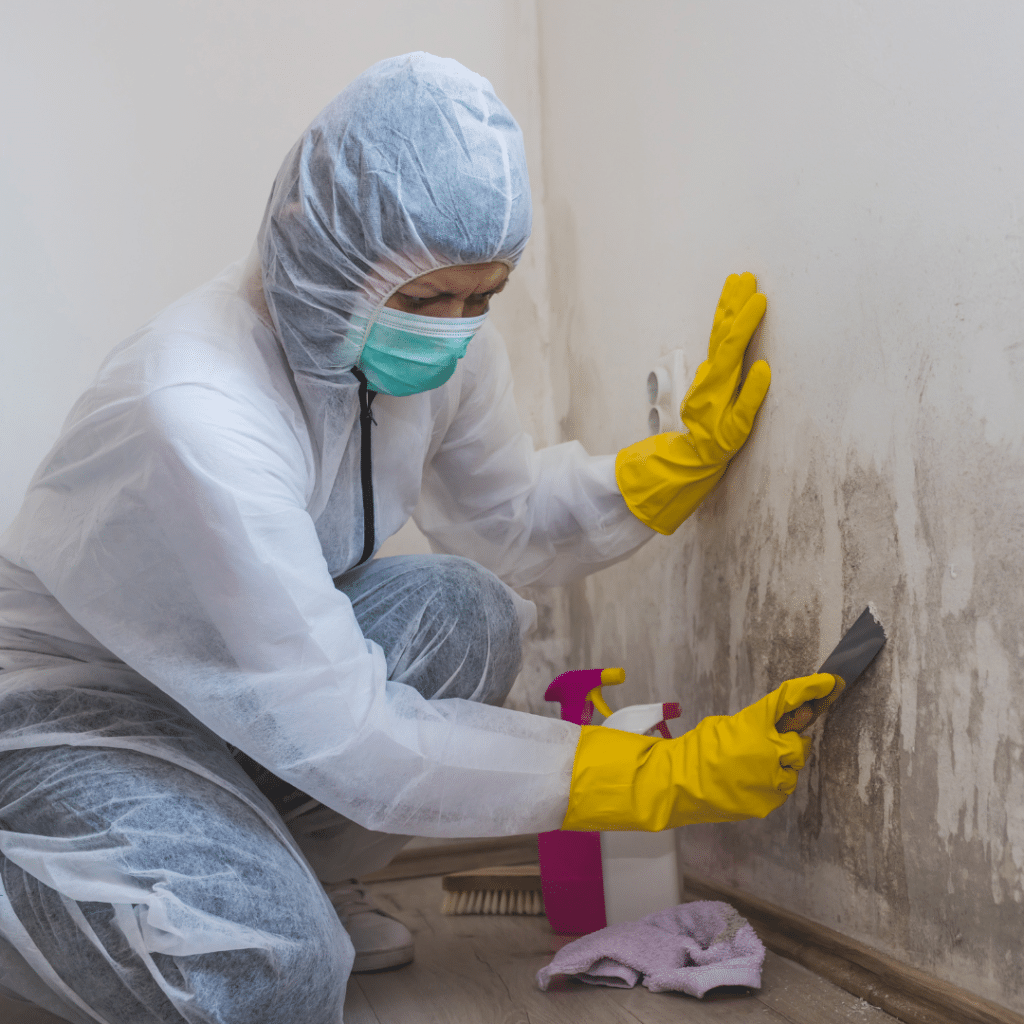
pixel 380 940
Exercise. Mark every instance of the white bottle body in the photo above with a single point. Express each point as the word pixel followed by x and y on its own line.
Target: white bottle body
pixel 640 870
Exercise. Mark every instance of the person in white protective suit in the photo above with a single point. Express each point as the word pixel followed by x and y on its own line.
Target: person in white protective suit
pixel 217 710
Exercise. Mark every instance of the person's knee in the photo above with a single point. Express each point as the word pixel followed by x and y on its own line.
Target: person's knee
pixel 467 642
pixel 448 626
pixel 486 621
pixel 471 585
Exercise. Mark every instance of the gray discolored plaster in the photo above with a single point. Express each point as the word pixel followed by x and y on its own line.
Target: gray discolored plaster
pixel 880 209
pixel 906 829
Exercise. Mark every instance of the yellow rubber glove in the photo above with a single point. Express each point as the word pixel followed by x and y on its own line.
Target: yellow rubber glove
pixel 665 477
pixel 728 768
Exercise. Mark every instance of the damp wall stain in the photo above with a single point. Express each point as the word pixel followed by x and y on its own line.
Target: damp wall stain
pixel 887 464
pixel 907 829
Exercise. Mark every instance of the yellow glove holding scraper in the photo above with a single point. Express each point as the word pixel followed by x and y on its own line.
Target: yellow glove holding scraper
pixel 665 477
pixel 728 768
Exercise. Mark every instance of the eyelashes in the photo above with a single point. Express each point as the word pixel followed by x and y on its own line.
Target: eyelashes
pixel 474 299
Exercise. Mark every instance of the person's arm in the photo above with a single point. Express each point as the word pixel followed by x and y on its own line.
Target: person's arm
pixel 547 516
pixel 174 529
pixel 665 477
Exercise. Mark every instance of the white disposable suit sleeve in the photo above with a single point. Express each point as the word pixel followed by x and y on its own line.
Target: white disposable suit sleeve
pixel 202 570
pixel 546 517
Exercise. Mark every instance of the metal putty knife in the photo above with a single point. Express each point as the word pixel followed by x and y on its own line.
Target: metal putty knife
pixel 863 640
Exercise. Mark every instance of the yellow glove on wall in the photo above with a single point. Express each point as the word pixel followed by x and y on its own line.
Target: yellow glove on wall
pixel 728 768
pixel 665 477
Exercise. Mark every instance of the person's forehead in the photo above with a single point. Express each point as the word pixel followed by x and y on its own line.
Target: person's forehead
pixel 477 277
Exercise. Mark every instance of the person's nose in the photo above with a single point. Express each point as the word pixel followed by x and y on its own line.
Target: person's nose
pixel 452 306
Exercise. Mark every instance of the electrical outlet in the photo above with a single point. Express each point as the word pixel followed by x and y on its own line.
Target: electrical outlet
pixel 667 384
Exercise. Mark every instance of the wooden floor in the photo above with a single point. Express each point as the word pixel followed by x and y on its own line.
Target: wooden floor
pixel 481 970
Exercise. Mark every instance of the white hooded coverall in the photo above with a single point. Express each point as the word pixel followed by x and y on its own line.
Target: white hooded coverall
pixel 179 540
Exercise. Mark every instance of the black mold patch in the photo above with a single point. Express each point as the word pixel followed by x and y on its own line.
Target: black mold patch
pixel 740 593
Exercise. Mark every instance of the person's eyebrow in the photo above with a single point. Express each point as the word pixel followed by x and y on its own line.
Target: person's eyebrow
pixel 436 292
pixel 447 295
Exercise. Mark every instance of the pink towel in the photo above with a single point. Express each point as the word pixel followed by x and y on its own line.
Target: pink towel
pixel 690 948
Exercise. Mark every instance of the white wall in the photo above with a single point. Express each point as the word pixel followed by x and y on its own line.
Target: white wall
pixel 140 144
pixel 865 161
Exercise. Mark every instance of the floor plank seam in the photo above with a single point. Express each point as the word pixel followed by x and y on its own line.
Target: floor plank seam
pixel 774 1009
pixel 497 974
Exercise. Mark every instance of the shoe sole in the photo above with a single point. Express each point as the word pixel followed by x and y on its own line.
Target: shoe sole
pixel 382 959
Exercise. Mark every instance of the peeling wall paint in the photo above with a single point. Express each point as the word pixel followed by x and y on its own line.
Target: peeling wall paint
pixel 864 161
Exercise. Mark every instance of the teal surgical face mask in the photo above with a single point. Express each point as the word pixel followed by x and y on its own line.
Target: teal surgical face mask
pixel 405 354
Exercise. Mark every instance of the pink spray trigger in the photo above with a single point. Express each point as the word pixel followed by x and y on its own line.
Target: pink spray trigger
pixel 570 689
pixel 669 710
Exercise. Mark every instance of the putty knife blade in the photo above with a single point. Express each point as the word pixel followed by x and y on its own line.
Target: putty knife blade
pixel 861 642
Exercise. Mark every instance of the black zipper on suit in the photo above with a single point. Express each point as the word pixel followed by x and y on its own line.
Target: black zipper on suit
pixel 283 794
pixel 366 397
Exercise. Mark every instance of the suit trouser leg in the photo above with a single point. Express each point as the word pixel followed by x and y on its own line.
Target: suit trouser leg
pixel 141 892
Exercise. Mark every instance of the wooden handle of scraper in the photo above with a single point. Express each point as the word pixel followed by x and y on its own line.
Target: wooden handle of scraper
pixel 810 711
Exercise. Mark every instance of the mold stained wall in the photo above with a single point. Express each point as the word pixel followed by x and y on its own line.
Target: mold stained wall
pixel 864 160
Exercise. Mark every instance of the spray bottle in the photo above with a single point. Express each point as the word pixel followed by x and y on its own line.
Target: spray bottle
pixel 593 879
pixel 570 862
pixel 639 868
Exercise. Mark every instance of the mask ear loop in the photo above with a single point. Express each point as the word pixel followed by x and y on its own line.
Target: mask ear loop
pixel 369 327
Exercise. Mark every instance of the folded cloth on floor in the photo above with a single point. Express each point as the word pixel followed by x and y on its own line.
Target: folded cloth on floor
pixel 690 948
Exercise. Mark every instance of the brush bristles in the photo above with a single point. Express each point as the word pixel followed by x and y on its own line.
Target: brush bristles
pixel 493 901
